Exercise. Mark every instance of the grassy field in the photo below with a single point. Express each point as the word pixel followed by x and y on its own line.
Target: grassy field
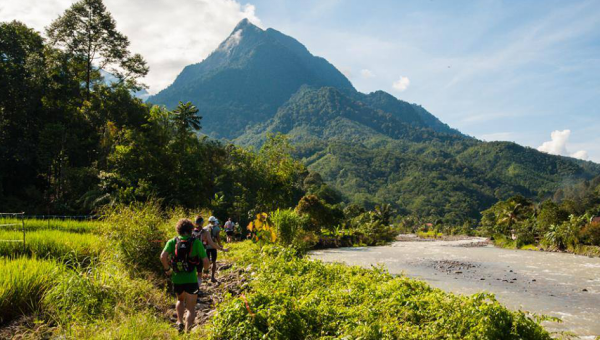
pixel 73 226
pixel 102 282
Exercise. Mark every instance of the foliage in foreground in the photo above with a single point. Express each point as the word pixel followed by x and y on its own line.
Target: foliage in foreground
pixel 289 297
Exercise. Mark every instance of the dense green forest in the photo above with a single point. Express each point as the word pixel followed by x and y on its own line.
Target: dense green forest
pixel 70 143
pixel 374 158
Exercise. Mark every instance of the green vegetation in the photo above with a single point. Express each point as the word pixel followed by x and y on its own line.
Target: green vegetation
pixel 373 148
pixel 23 282
pixel 373 157
pixel 569 222
pixel 67 225
pixel 52 244
pixel 290 297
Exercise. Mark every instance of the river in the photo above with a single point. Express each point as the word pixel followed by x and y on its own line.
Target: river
pixel 556 284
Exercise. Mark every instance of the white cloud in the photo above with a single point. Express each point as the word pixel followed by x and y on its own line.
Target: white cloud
pixel 558 145
pixel 401 84
pixel 365 73
pixel 581 154
pixel 169 37
pixel 232 41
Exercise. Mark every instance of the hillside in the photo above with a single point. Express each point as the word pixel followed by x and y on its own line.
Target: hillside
pixel 373 147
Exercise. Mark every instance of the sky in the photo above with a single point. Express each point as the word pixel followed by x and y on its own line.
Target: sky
pixel 524 71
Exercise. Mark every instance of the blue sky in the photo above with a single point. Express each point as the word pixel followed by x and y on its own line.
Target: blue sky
pixel 516 70
pixel 496 70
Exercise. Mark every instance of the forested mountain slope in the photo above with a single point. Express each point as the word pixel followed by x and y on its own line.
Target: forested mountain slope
pixel 373 147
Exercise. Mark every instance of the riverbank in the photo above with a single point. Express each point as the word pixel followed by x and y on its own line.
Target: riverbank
pixel 555 284
pixel 500 242
pixel 290 296
pixel 584 250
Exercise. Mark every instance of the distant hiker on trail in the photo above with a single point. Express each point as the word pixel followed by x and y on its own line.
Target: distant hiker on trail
pixel 229 230
pixel 180 258
pixel 212 231
pixel 207 240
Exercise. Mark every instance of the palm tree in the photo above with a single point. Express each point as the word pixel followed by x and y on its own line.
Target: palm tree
pixel 186 117
pixel 383 213
pixel 510 214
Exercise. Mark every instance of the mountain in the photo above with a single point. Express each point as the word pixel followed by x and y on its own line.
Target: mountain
pixel 373 147
pixel 253 73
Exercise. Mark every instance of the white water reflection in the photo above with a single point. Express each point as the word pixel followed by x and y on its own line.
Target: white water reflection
pixel 562 285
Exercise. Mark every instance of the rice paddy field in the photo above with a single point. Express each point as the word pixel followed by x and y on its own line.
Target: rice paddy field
pixel 67 281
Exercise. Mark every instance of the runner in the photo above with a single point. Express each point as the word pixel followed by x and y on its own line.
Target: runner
pixel 229 230
pixel 212 231
pixel 180 258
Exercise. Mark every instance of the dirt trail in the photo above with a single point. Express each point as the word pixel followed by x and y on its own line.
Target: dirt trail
pixel 211 294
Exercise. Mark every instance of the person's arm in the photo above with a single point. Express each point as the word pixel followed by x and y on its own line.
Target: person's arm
pixel 219 239
pixel 164 259
pixel 202 255
pixel 212 243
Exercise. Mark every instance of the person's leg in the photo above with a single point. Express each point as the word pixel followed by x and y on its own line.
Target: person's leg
pixel 180 307
pixel 213 259
pixel 190 306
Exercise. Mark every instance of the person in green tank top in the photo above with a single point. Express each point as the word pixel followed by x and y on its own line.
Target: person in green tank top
pixel 179 258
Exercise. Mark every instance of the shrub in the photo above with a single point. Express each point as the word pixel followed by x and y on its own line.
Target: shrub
pixel 289 297
pixel 139 231
pixel 566 234
pixel 320 214
pixel 288 225
pixel 590 234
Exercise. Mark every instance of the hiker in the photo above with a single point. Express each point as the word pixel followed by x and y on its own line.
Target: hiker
pixel 229 230
pixel 212 231
pixel 180 258
pixel 197 233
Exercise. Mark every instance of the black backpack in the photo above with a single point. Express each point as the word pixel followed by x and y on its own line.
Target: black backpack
pixel 182 261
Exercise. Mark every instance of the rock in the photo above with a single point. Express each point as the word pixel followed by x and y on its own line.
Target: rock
pixel 584 290
pixel 533 280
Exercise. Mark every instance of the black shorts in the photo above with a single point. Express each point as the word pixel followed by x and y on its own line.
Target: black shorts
pixel 230 232
pixel 212 255
pixel 190 288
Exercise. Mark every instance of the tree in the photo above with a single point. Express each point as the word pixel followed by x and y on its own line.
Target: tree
pixel 87 32
pixel 186 117
pixel 23 83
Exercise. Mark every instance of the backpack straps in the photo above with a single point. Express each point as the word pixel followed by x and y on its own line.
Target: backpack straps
pixel 176 242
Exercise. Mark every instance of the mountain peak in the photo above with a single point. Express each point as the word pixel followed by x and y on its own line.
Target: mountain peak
pixel 245 23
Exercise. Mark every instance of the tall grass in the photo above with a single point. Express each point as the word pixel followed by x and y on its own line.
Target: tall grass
pixel 98 293
pixel 52 244
pixel 139 232
pixel 23 282
pixel 72 226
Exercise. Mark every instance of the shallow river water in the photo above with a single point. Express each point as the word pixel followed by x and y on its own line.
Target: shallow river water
pixel 557 284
